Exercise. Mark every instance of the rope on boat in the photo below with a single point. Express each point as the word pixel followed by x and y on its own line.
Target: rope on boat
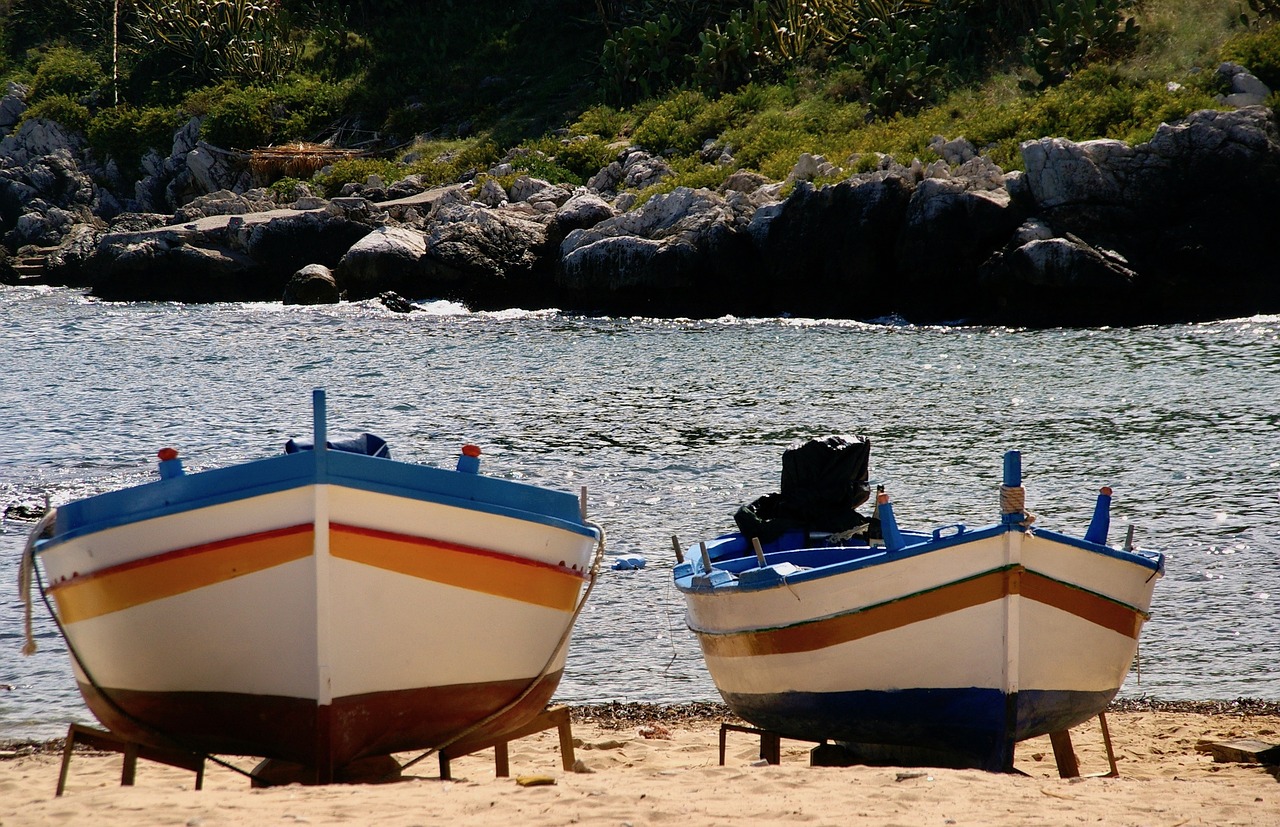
pixel 542 673
pixel 1013 500
pixel 26 574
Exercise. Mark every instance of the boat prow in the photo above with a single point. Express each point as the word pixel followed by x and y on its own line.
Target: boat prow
pixel 321 606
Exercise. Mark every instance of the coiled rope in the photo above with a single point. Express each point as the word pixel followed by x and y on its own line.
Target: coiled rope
pixel 1013 500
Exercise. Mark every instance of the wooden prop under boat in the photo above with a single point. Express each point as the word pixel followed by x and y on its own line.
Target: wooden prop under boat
pixel 318 607
pixel 953 644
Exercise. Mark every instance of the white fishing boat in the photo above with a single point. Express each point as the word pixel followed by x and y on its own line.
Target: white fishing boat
pixel 943 648
pixel 318 607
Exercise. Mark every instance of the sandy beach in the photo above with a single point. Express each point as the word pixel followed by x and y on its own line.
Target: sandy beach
pixel 641 765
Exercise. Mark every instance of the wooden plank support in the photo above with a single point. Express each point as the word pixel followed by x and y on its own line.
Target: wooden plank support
pixel 556 716
pixel 1241 751
pixel 1065 756
pixel 770 742
pixel 131 750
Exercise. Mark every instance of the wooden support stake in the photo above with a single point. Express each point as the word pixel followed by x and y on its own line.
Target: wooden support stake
pixel 556 716
pixel 706 558
pixel 755 546
pixel 675 544
pixel 131 750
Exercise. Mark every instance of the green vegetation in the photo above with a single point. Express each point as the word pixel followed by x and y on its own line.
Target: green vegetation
pixel 556 87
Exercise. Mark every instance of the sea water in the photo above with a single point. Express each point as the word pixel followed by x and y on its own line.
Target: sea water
pixel 671 425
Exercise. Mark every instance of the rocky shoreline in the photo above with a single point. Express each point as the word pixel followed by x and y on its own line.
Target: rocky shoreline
pixel 1180 228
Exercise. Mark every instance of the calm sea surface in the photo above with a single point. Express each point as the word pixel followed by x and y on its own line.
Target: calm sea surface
pixel 671 425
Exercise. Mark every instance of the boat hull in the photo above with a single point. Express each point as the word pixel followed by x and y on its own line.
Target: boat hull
pixel 318 608
pixel 957 646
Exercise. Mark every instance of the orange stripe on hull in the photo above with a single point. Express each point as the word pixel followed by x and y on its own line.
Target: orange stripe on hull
pixel 176 572
pixel 928 605
pixel 466 567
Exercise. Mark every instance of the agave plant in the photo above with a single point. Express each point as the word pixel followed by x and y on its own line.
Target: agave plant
pixel 218 39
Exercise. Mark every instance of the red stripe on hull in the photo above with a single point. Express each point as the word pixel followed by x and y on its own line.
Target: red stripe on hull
pixel 326 738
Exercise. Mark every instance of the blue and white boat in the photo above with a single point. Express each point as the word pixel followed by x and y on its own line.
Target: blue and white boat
pixel 318 607
pixel 947 647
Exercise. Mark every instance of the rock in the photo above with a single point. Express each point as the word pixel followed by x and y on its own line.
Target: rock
pixel 396 303
pixel 743 181
pixel 954 152
pixel 607 179
pixel 12 105
pixel 809 167
pixel 673 251
pixel 385 259
pixel 582 211
pixel 162 267
pixel 491 194
pixel 949 229
pixel 288 242
pixel 313 284
pixel 1246 89
pixel 494 254
pixel 1060 281
pixel 224 202
pixel 1195 203
pixel 828 252
pixel 37 138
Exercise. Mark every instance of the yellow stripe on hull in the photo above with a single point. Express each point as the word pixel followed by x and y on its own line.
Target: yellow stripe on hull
pixel 944 600
pixel 465 567
pixel 176 572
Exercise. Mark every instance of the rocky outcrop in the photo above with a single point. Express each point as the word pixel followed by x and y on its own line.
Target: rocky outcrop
pixel 1095 232
pixel 1183 222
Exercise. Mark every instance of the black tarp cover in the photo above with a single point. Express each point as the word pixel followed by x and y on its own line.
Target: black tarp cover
pixel 367 444
pixel 823 482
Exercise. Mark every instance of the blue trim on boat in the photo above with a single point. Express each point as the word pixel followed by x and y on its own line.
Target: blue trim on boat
pixel 965 727
pixel 256 478
pixel 730 553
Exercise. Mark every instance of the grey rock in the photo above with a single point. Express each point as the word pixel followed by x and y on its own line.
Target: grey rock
pixel 383 260
pixel 313 284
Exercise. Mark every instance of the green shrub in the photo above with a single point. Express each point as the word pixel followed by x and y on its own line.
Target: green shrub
pixel 69 72
pixel 356 170
pixel 445 162
pixel 1073 32
pixel 683 121
pixel 63 110
pixel 240 119
pixel 641 61
pixel 1259 52
pixel 125 133
pixel 602 121
pixel 583 156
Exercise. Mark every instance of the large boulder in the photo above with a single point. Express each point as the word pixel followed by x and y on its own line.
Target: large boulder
pixel 165 267
pixel 313 284
pixel 829 251
pixel 386 259
pixel 488 258
pixel 676 253
pixel 950 228
pixel 1193 206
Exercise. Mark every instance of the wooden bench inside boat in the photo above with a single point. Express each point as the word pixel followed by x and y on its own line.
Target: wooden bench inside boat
pixel 132 751
pixel 556 716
